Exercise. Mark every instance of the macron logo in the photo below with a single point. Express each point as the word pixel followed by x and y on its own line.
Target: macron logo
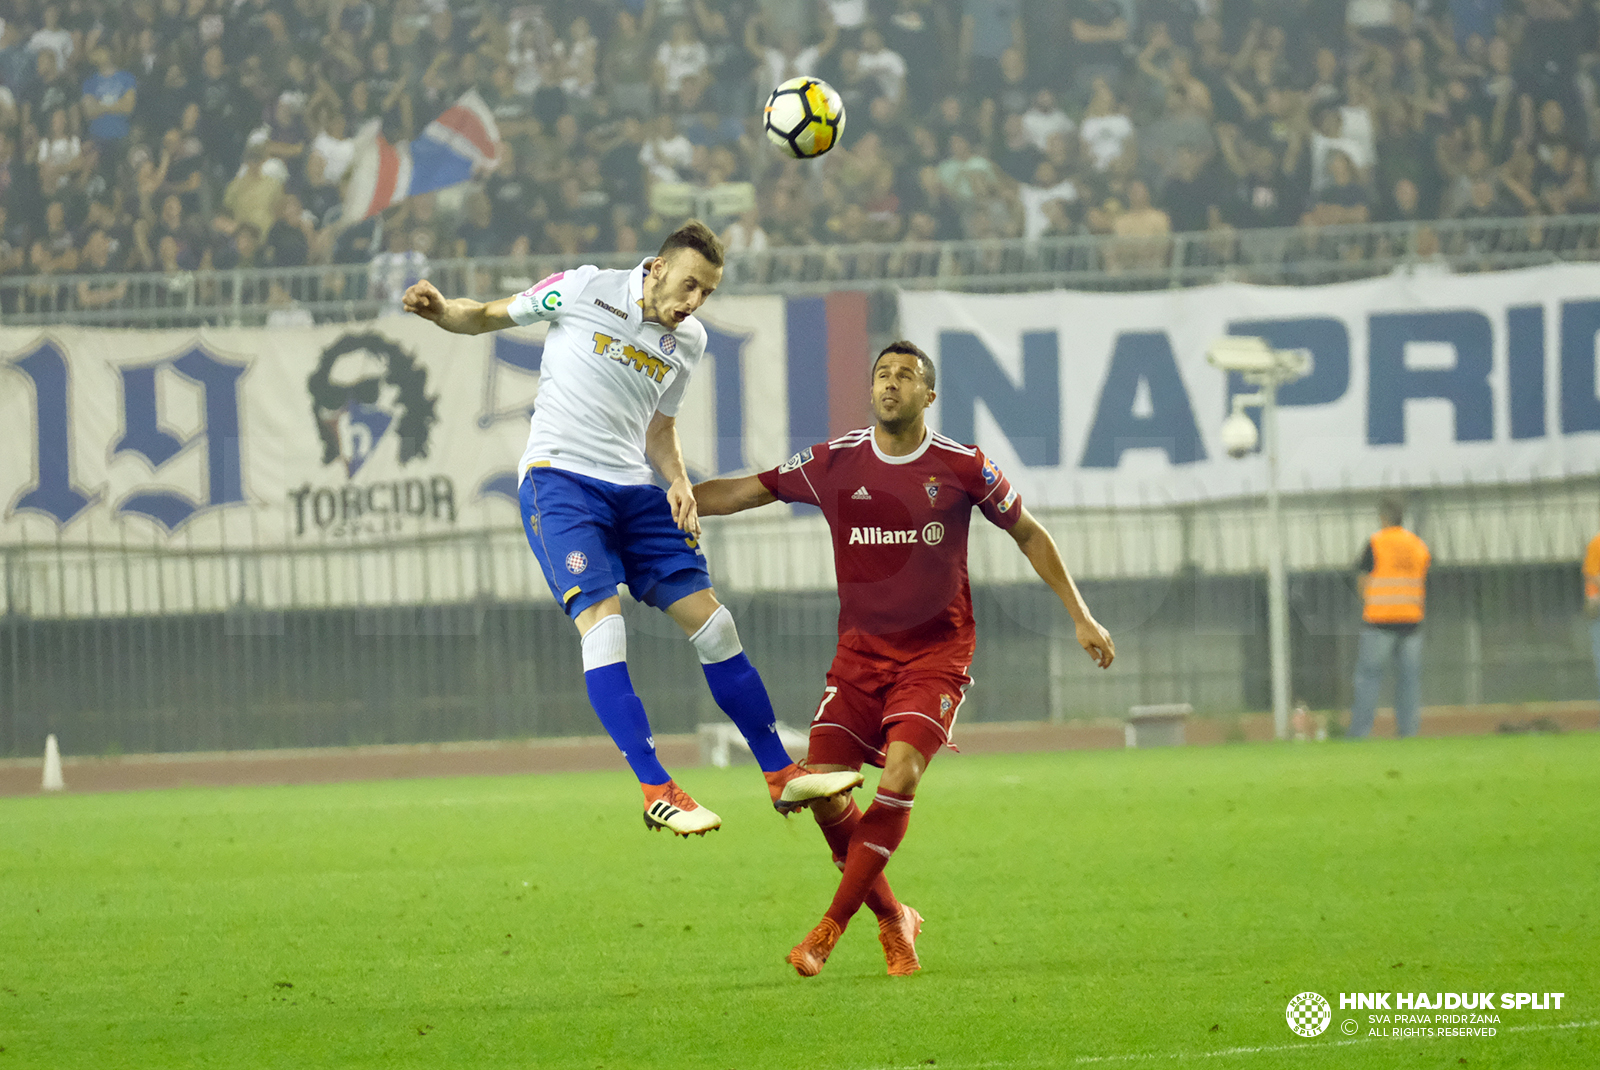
pixel 862 495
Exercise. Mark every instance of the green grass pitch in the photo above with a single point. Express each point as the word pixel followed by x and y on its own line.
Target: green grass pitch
pixel 1100 909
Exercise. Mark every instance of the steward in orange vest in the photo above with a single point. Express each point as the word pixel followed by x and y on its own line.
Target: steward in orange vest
pixel 1394 576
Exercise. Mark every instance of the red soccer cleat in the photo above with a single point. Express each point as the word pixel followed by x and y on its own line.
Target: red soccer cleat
pixel 899 939
pixel 809 954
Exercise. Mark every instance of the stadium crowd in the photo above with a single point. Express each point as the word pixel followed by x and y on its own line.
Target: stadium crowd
pixel 169 135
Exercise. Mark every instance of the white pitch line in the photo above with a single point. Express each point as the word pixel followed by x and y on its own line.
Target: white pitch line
pixel 1177 1056
pixel 1183 1055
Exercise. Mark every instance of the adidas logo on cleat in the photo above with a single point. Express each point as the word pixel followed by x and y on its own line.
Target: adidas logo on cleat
pixel 862 495
pixel 663 811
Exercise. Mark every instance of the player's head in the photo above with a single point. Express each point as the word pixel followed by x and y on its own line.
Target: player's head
pixel 903 378
pixel 1390 511
pixel 683 274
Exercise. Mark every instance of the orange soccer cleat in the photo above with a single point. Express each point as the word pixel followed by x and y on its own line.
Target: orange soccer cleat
pixel 667 806
pixel 809 954
pixel 794 787
pixel 899 938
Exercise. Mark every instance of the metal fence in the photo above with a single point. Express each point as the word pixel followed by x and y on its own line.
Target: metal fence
pixel 126 649
pixel 1291 255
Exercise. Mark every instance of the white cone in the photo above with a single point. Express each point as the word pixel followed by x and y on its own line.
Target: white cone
pixel 52 765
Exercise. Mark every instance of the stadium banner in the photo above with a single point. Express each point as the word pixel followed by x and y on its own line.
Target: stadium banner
pixel 1419 380
pixel 337 434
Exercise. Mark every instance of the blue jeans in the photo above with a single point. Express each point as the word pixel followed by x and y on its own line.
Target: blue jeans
pixel 1594 644
pixel 1379 646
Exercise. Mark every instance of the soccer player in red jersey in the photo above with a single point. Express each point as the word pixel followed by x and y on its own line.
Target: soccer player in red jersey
pixel 898 498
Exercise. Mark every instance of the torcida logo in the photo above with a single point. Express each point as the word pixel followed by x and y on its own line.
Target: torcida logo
pixel 364 385
pixel 1308 1014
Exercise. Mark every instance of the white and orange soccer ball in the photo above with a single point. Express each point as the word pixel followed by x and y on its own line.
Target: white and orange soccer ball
pixel 804 117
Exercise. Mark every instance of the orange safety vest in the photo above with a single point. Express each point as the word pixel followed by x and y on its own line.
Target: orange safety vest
pixel 1591 569
pixel 1395 586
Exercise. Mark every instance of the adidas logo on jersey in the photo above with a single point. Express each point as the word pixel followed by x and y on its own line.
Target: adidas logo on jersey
pixel 862 495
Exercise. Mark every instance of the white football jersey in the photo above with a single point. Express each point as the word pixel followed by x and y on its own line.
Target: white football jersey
pixel 605 372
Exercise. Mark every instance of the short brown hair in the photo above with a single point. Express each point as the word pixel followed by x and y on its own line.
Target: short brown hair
pixel 1391 510
pixel 910 349
pixel 697 236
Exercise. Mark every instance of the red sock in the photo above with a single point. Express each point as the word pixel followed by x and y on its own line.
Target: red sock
pixel 878 833
pixel 880 900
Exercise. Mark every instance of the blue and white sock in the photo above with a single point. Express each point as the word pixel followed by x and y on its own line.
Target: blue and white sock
pixel 738 690
pixel 605 674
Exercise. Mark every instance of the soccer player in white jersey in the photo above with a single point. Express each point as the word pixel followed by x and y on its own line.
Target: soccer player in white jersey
pixel 621 348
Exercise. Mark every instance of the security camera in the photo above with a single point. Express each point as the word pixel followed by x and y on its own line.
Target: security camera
pixel 1239 435
pixel 1254 357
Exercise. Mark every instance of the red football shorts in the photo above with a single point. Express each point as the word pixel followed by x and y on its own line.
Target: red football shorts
pixel 870 703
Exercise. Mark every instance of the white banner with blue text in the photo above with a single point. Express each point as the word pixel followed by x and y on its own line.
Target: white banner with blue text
pixel 1418 380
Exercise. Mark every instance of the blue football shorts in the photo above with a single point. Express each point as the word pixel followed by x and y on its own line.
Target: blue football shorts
pixel 590 535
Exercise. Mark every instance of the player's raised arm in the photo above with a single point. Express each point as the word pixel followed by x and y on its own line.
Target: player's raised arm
pixel 461 315
pixel 719 497
pixel 1040 549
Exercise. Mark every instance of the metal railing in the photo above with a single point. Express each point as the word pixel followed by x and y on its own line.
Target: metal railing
pixel 137 648
pixel 1290 255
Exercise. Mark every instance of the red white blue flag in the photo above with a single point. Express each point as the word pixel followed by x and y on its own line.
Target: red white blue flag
pixel 460 143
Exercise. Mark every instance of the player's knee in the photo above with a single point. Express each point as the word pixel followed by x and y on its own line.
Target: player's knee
pixel 829 810
pixel 903 768
pixel 605 643
pixel 717 639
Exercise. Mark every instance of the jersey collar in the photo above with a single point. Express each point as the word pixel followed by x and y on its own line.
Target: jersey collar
pixel 927 440
pixel 636 286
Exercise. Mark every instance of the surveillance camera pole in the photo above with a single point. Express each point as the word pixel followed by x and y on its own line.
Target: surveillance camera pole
pixel 1285 367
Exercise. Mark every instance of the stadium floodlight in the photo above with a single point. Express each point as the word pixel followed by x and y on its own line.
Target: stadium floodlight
pixel 1266 369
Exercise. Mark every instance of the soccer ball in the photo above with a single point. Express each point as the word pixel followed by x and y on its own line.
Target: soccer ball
pixel 804 117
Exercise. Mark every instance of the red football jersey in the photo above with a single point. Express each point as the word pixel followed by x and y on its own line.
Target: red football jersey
pixel 900 538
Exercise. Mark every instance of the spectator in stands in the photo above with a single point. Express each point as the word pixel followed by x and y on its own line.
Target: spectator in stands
pixel 1106 128
pixel 60 156
pixel 1044 119
pixel 1100 32
pixel 1048 187
pixel 289 240
pixel 400 265
pixel 13 256
pixel 52 88
pixel 109 97
pixel 52 37
pixel 882 64
pixel 253 196
pixel 1343 199
pixel 98 260
pixel 1144 228
pixel 784 54
pixel 681 57
pixel 54 252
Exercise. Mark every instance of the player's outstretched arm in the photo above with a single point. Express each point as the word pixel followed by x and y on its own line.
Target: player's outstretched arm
pixel 459 316
pixel 1040 549
pixel 719 497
